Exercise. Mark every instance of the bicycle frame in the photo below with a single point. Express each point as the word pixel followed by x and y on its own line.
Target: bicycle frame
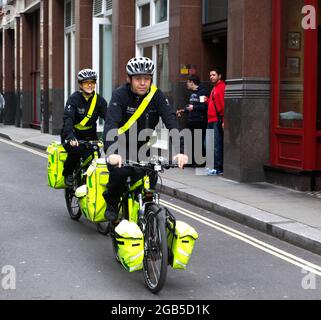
pixel 142 207
pixel 84 163
pixel 133 204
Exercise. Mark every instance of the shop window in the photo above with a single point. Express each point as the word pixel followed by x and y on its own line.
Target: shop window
pixel 291 65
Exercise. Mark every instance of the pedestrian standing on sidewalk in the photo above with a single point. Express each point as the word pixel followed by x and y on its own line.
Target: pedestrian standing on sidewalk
pixel 82 110
pixel 197 113
pixel 215 118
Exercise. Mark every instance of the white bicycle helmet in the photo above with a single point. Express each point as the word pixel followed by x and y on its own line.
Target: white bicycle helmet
pixel 140 65
pixel 86 74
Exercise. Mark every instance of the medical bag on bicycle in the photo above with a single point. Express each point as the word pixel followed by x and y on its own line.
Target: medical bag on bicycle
pixel 57 155
pixel 180 239
pixel 91 200
pixel 130 245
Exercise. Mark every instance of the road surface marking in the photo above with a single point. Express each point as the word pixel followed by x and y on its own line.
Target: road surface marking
pixel 248 239
pixel 41 154
pixel 306 265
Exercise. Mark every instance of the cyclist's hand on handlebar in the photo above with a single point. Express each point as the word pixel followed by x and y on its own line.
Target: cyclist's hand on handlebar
pixel 181 159
pixel 74 143
pixel 114 160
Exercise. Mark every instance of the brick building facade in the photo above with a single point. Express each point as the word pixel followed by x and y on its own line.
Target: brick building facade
pixel 45 43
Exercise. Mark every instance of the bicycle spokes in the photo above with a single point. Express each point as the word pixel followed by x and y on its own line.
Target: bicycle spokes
pixel 156 255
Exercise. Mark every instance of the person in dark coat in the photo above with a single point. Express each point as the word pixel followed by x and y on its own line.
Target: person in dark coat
pixel 196 111
pixel 82 110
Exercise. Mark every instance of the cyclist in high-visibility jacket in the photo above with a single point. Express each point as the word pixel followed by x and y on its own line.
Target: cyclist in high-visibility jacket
pixel 138 102
pixel 81 112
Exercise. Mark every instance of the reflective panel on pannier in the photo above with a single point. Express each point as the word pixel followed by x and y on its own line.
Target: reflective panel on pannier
pixel 57 155
pixel 181 244
pixel 130 245
pixel 93 205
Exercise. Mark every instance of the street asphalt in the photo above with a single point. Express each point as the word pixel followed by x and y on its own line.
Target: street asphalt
pixel 287 214
pixel 57 258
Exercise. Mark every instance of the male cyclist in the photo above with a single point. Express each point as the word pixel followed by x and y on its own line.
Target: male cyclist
pixel 81 113
pixel 125 105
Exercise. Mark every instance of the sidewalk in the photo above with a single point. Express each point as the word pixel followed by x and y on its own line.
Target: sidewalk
pixel 289 215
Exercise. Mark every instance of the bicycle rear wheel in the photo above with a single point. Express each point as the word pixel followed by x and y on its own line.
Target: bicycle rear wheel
pixel 156 250
pixel 103 227
pixel 72 204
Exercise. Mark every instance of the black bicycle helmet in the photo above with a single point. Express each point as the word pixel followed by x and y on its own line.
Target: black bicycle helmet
pixel 140 65
pixel 86 74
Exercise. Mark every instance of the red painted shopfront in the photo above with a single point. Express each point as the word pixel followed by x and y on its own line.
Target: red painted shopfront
pixel 295 142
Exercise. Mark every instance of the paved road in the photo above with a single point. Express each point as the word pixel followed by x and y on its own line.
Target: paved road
pixel 57 258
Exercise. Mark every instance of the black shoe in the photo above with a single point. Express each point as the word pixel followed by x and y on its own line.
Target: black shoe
pixel 69 181
pixel 111 213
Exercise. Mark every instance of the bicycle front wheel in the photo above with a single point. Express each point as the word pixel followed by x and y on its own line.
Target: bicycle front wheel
pixel 156 250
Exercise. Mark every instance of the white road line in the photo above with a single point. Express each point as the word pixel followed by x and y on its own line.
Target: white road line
pixel 24 148
pixel 306 265
pixel 248 239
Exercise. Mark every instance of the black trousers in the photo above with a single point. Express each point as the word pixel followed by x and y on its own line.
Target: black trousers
pixel 118 179
pixel 73 158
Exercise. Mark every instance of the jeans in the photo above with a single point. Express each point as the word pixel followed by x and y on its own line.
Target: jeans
pixel 215 128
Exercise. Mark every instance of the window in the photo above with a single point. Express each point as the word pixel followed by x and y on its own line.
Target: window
pixel 214 11
pixel 69 13
pixel 152 40
pixel 291 65
pixel 145 15
pixel 151 12
pixel 148 52
pixel 70 79
pixel 161 10
pixel 162 78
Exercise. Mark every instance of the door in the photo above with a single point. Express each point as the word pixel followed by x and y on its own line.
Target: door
pixel 294 138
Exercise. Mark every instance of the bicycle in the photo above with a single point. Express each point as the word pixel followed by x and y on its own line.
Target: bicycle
pixel 153 220
pixel 80 176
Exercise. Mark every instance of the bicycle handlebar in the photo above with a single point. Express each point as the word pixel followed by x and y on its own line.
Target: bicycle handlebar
pixel 155 164
pixel 94 143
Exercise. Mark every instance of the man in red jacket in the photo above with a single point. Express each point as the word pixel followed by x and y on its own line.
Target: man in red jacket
pixel 215 119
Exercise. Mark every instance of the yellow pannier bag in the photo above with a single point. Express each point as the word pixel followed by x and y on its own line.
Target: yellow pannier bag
pixel 57 155
pixel 130 245
pixel 92 203
pixel 181 244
